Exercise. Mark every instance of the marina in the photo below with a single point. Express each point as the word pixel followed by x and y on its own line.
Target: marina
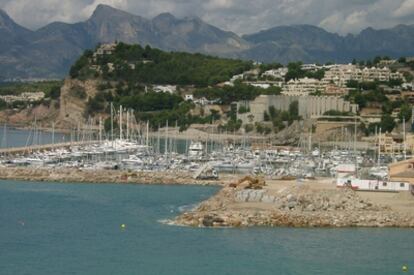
pixel 136 150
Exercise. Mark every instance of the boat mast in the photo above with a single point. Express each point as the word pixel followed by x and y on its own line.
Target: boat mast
pixel 147 137
pixel 176 137
pixel 120 122
pixel 158 140
pixel 53 133
pixel 100 129
pixel 127 125
pixel 166 139
pixel 376 135
pixel 379 147
pixel 355 142
pixel 404 137
pixel 112 123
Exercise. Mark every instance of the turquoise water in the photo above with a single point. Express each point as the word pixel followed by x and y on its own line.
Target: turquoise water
pixel 75 229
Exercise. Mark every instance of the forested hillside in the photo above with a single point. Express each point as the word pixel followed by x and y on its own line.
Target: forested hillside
pixel 133 63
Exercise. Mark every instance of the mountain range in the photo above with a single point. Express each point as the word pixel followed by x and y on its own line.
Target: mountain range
pixel 49 51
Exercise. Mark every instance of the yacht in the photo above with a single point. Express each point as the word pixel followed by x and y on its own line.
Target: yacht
pixel 196 149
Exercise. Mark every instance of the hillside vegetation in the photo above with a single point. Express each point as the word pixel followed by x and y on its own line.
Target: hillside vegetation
pixel 127 76
pixel 135 64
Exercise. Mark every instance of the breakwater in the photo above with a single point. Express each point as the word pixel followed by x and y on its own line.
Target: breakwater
pixel 297 205
pixel 100 176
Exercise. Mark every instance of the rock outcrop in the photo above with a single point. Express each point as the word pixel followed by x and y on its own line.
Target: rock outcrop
pixel 73 100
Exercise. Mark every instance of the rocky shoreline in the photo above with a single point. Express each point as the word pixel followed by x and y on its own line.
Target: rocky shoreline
pixel 100 176
pixel 293 206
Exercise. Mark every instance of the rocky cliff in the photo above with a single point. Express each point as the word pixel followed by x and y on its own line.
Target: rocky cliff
pixel 74 97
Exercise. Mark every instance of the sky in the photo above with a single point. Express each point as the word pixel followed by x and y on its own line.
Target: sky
pixel 239 16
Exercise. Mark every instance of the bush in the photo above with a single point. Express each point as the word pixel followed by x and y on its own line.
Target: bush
pixel 243 110
pixel 54 92
pixel 96 104
pixel 248 128
pixel 387 123
pixel 231 126
pixel 3 104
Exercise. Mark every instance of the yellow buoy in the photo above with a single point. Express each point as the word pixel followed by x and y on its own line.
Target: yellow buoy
pixel 123 226
pixel 404 268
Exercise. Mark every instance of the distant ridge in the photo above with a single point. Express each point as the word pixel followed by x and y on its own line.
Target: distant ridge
pixel 50 51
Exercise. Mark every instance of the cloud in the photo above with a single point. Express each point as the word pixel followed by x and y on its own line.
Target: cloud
pixel 331 20
pixel 406 8
pixel 345 23
pixel 218 4
pixel 240 16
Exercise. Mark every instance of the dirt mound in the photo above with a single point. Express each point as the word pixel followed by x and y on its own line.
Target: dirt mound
pixel 249 182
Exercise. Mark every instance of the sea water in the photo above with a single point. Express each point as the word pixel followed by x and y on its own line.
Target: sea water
pixel 76 229
pixel 11 137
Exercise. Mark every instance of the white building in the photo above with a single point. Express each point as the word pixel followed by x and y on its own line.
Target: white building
pixel 105 49
pixel 204 101
pixel 188 97
pixel 302 86
pixel 165 89
pixel 341 74
pixel 276 74
pixel 25 97
pixel 372 185
pixel 261 85
pixel 236 77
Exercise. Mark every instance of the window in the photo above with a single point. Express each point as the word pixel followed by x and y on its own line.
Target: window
pixel 384 183
pixel 402 184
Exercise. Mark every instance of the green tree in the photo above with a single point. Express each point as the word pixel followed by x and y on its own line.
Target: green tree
pixel 402 60
pixel 294 71
pixel 387 123
pixel 54 92
pixel 405 112
pixel 3 104
pixel 294 109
